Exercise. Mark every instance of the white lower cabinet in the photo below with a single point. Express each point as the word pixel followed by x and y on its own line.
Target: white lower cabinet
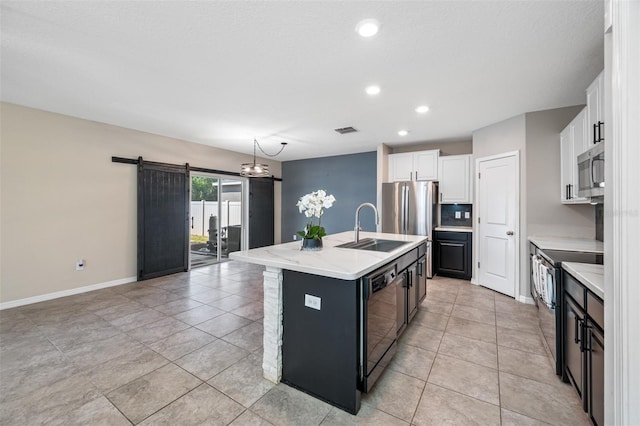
pixel 455 179
pixel 573 142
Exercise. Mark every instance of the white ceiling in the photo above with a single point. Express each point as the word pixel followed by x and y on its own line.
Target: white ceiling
pixel 223 72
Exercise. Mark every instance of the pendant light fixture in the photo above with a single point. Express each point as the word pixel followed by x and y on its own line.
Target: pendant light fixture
pixel 257 169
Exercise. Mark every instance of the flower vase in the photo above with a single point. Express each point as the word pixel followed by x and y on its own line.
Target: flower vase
pixel 311 244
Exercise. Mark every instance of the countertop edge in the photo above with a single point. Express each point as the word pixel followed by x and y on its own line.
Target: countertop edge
pixel 586 275
pixel 567 244
pixel 376 262
pixel 454 228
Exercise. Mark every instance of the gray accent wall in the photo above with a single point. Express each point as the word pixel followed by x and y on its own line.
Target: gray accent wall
pixel 350 178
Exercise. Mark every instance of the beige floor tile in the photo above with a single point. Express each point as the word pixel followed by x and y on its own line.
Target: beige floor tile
pixel 474 314
pixel 96 412
pixel 526 364
pixel 441 295
pixel 541 401
pixel 203 405
pixel 158 330
pixel 465 377
pixel 436 306
pixel 94 353
pixel 198 315
pixel 367 416
pixel 248 337
pixel 135 320
pixel 182 343
pixel 177 306
pixel 232 302
pixel 223 324
pixel 515 321
pixel 431 320
pixel 509 418
pixel 243 381
pixel 515 339
pixel 249 418
pixel 283 405
pixel 468 349
pixel 413 361
pixel 114 312
pixel 144 396
pixel 211 296
pixel 396 394
pixel 440 406
pixel 472 329
pixel 211 359
pixel 422 337
pixel 124 369
pixel 478 301
pixel 508 305
pixel 253 311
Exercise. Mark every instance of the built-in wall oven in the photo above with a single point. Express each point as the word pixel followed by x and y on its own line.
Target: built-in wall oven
pixel 546 290
pixel 379 322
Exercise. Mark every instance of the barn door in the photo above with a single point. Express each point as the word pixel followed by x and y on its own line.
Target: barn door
pixel 163 219
pixel 261 214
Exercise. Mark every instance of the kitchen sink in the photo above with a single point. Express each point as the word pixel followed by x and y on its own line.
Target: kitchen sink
pixel 374 244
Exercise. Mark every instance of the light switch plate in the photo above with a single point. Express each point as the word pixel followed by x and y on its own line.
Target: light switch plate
pixel 312 302
pixel 467 215
pixel 458 215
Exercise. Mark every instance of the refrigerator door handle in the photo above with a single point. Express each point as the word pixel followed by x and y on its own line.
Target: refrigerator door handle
pixel 406 212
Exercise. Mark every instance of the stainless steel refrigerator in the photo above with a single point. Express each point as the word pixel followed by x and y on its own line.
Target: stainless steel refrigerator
pixel 411 208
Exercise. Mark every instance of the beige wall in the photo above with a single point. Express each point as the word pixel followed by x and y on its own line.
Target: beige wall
pixel 536 136
pixel 445 147
pixel 63 199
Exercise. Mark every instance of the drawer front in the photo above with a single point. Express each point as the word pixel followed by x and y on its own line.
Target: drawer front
pixel 407 259
pixel 595 309
pixel 422 249
pixel 574 289
pixel 452 236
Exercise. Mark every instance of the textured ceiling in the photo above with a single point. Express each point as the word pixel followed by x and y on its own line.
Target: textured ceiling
pixel 222 73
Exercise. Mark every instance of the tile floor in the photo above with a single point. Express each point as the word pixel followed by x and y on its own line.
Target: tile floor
pixel 186 349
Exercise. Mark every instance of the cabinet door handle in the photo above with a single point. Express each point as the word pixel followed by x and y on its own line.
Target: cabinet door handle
pixel 570 191
pixel 191 222
pixel 594 133
pixel 600 124
pixel 576 337
pixel 420 269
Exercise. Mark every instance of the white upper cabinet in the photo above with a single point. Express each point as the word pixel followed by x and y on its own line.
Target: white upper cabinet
pixel 574 140
pixel 455 179
pixel 595 110
pixel 419 165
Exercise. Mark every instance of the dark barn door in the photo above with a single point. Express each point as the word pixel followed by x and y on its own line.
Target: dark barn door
pixel 261 213
pixel 163 219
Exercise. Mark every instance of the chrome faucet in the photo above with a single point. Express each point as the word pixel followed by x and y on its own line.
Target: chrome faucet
pixel 357 227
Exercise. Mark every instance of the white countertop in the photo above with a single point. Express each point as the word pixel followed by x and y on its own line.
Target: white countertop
pixel 331 261
pixel 591 276
pixel 454 228
pixel 568 244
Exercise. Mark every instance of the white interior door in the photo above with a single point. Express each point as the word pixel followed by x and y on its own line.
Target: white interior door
pixel 498 199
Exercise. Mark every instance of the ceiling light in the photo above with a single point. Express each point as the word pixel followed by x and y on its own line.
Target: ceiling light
pixel 403 132
pixel 367 27
pixel 372 90
pixel 422 109
pixel 256 169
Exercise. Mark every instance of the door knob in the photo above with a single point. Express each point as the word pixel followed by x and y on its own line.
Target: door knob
pixel 509 232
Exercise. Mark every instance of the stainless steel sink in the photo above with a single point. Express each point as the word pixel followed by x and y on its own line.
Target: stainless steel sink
pixel 374 244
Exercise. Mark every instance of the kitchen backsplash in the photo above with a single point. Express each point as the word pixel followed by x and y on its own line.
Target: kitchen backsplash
pixel 600 222
pixel 448 214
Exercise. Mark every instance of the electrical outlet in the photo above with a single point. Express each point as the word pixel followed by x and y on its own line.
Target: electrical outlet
pixel 312 302
pixel 467 215
pixel 458 215
pixel 80 265
pixel 295 237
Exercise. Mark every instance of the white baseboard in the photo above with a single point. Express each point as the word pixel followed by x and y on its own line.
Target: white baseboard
pixel 525 299
pixel 65 293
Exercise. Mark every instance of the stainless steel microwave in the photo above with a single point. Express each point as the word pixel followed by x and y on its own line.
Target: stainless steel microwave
pixel 591 172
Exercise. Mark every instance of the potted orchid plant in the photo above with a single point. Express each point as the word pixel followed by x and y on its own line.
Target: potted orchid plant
pixel 313 206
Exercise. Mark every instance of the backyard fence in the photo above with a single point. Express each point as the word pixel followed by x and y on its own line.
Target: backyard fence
pixel 201 210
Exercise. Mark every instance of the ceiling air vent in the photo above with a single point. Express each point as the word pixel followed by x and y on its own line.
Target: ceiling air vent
pixel 344 130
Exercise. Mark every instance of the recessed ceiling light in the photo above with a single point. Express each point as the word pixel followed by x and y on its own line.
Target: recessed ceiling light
pixel 422 109
pixel 403 132
pixel 368 27
pixel 372 90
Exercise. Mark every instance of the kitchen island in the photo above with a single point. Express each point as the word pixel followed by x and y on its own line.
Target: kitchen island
pixel 316 301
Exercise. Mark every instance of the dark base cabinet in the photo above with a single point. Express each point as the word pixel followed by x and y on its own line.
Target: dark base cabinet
pixel 583 334
pixel 452 254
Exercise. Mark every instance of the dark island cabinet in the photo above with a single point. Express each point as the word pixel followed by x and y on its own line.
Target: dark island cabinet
pixel 452 254
pixel 583 336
